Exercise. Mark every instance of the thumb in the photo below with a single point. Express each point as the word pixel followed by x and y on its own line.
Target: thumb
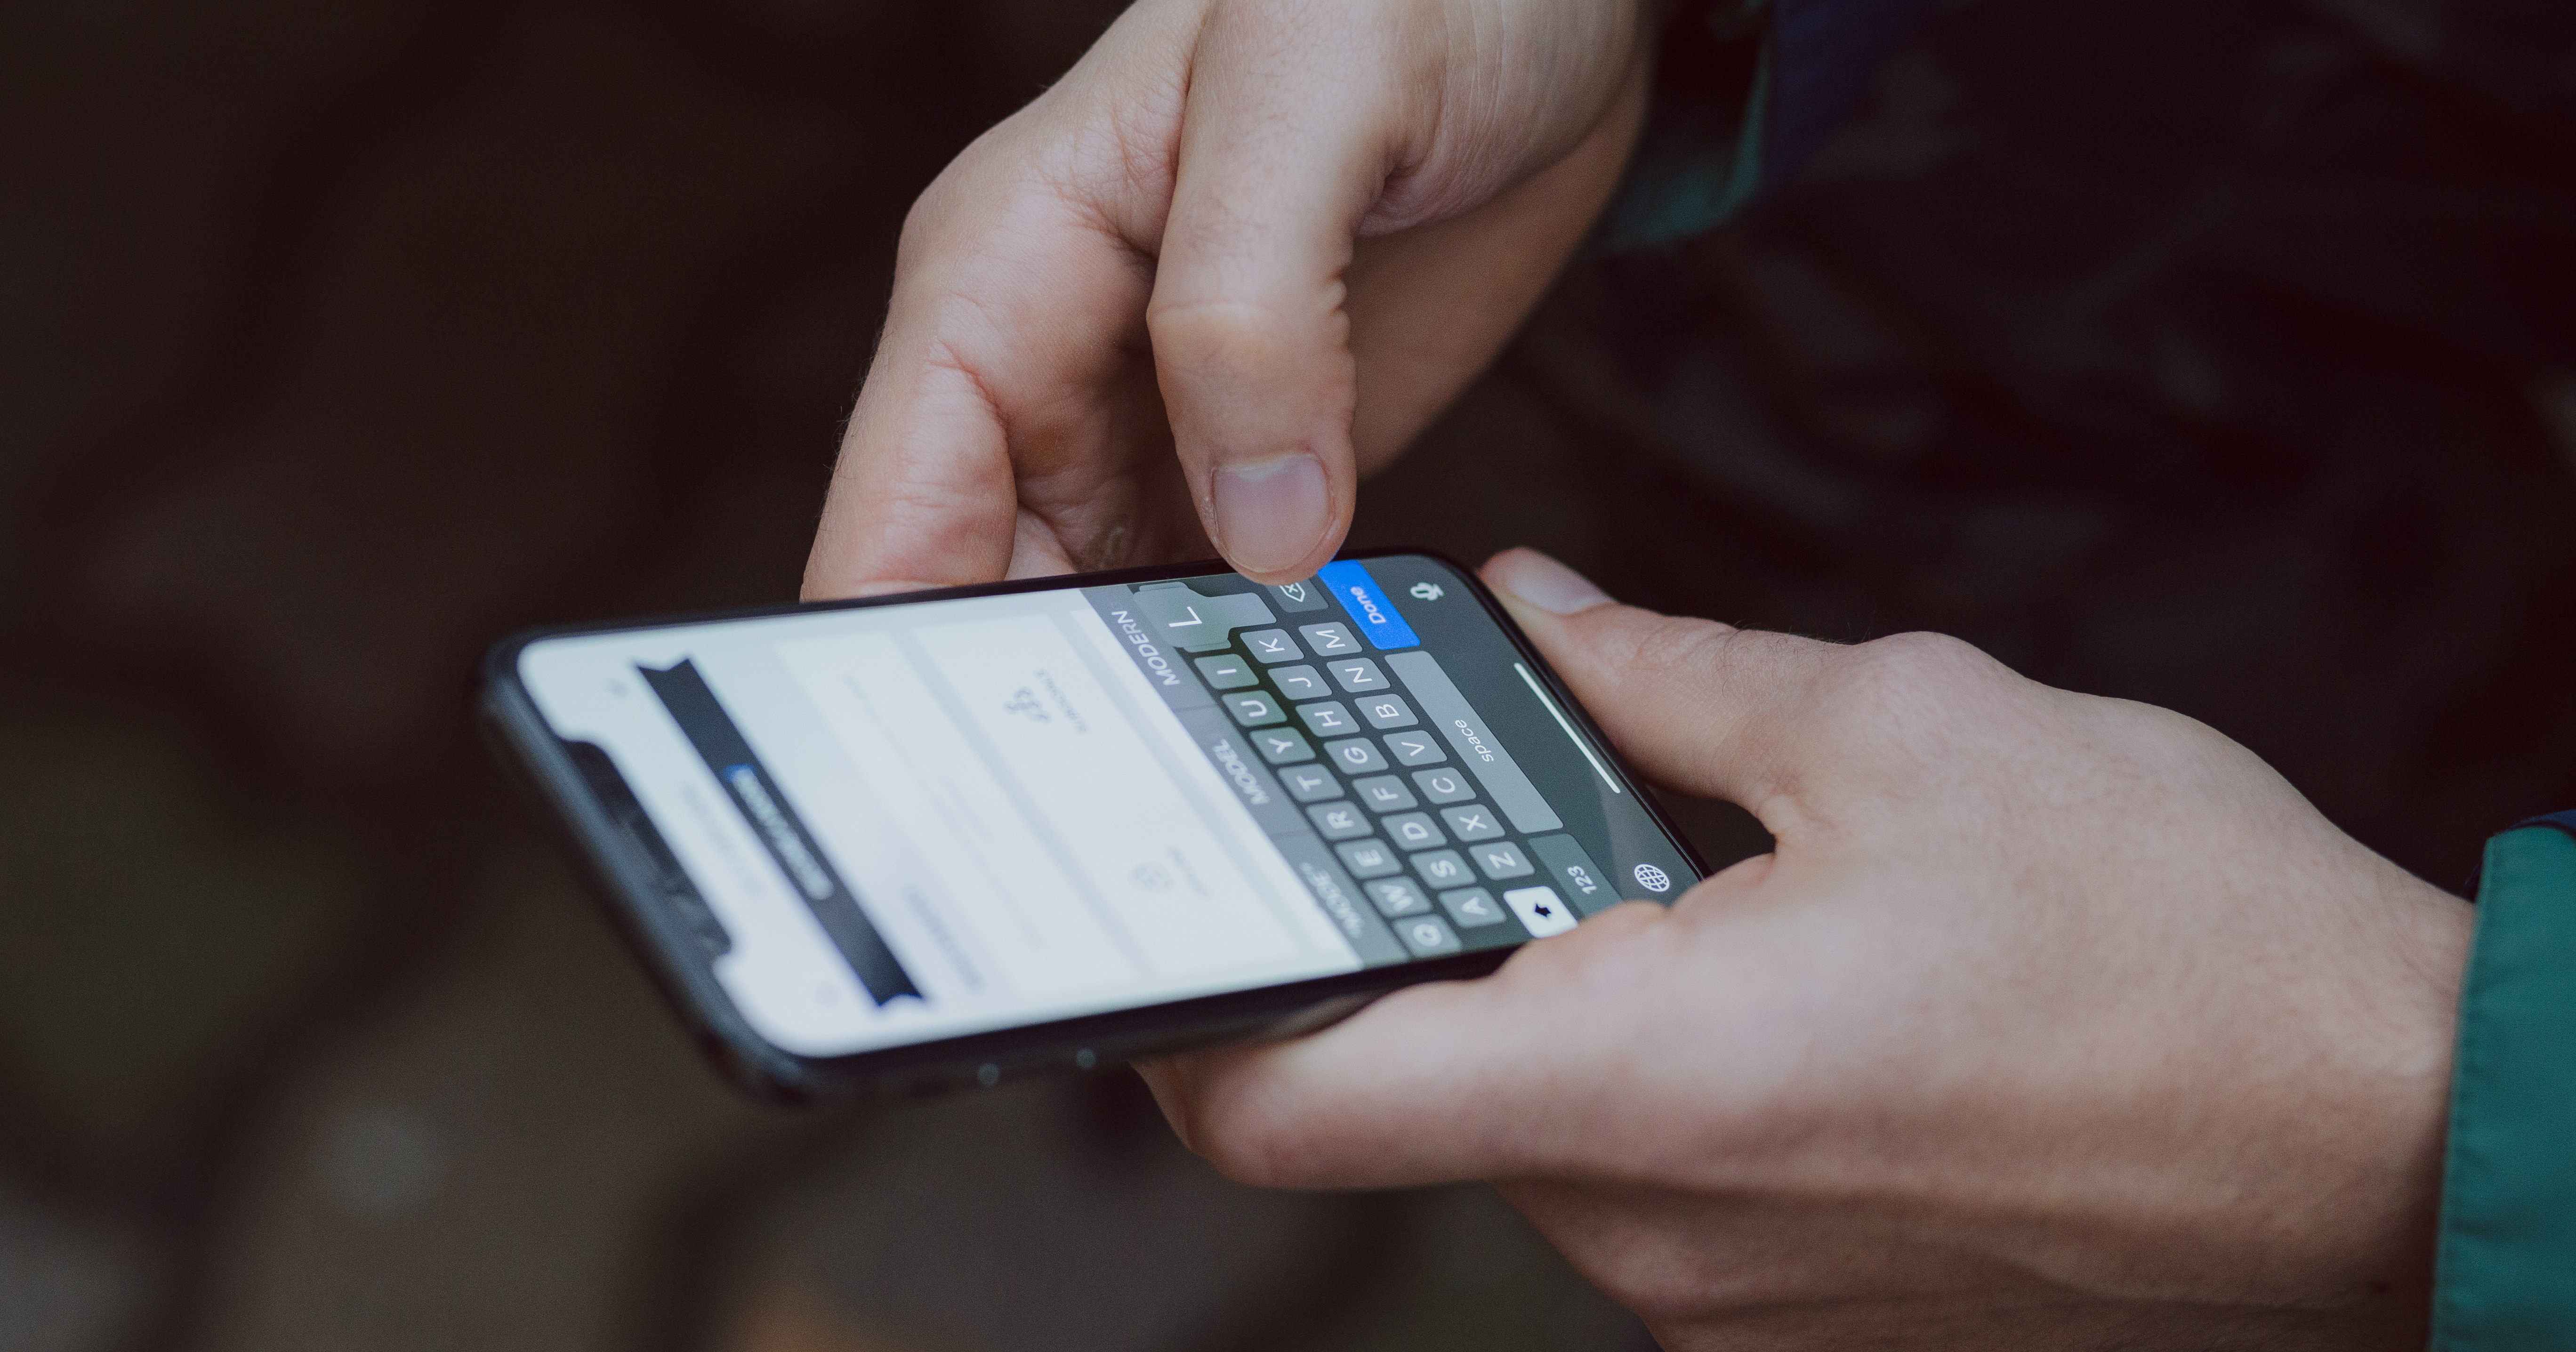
pixel 1284 146
pixel 1700 707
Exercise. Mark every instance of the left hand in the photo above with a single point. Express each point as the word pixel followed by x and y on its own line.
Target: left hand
pixel 1236 258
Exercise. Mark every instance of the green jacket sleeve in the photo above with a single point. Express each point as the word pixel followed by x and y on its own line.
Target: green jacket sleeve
pixel 2505 1272
pixel 1745 90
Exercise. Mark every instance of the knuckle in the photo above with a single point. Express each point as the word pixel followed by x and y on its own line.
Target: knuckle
pixel 1904 677
pixel 1949 651
pixel 1928 654
pixel 926 221
pixel 1683 647
pixel 992 194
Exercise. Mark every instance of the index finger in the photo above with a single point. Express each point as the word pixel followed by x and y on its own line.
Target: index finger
pixel 1010 315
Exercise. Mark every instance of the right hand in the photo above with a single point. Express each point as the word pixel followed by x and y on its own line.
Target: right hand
pixel 1270 239
pixel 2051 1021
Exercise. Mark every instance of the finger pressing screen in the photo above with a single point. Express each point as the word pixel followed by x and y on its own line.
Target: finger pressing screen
pixel 1013 314
pixel 1286 141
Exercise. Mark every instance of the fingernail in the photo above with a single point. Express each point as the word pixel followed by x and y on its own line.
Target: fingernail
pixel 1269 515
pixel 1545 583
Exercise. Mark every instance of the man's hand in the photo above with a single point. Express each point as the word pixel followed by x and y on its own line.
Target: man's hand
pixel 2051 1021
pixel 1273 236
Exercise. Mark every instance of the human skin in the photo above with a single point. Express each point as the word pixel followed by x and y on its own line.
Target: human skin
pixel 2049 1021
pixel 1241 253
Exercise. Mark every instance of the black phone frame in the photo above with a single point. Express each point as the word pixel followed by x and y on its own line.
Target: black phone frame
pixel 671 952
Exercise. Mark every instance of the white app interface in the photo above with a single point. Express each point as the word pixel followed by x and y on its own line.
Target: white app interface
pixel 991 784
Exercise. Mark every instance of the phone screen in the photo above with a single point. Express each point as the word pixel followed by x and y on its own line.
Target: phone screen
pixel 916 821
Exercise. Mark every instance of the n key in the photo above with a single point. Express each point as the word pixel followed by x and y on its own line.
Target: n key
pixel 1358 676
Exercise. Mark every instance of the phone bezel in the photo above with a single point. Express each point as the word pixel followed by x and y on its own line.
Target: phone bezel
pixel 680 967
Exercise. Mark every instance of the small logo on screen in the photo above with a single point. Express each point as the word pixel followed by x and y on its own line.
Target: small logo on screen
pixel 1654 879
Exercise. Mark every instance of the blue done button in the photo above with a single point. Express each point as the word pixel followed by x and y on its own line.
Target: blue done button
pixel 1359 594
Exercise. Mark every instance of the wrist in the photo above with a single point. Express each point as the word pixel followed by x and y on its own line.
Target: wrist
pixel 2272 1154
pixel 2371 1114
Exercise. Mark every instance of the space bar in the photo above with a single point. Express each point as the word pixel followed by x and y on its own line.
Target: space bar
pixel 1475 742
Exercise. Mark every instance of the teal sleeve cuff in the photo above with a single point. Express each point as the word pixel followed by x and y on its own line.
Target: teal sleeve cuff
pixel 1700 158
pixel 1745 92
pixel 2505 1271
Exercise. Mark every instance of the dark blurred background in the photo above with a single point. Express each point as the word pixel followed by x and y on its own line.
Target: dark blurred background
pixel 2221 355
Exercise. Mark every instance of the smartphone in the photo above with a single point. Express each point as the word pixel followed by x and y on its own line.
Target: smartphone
pixel 952 837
